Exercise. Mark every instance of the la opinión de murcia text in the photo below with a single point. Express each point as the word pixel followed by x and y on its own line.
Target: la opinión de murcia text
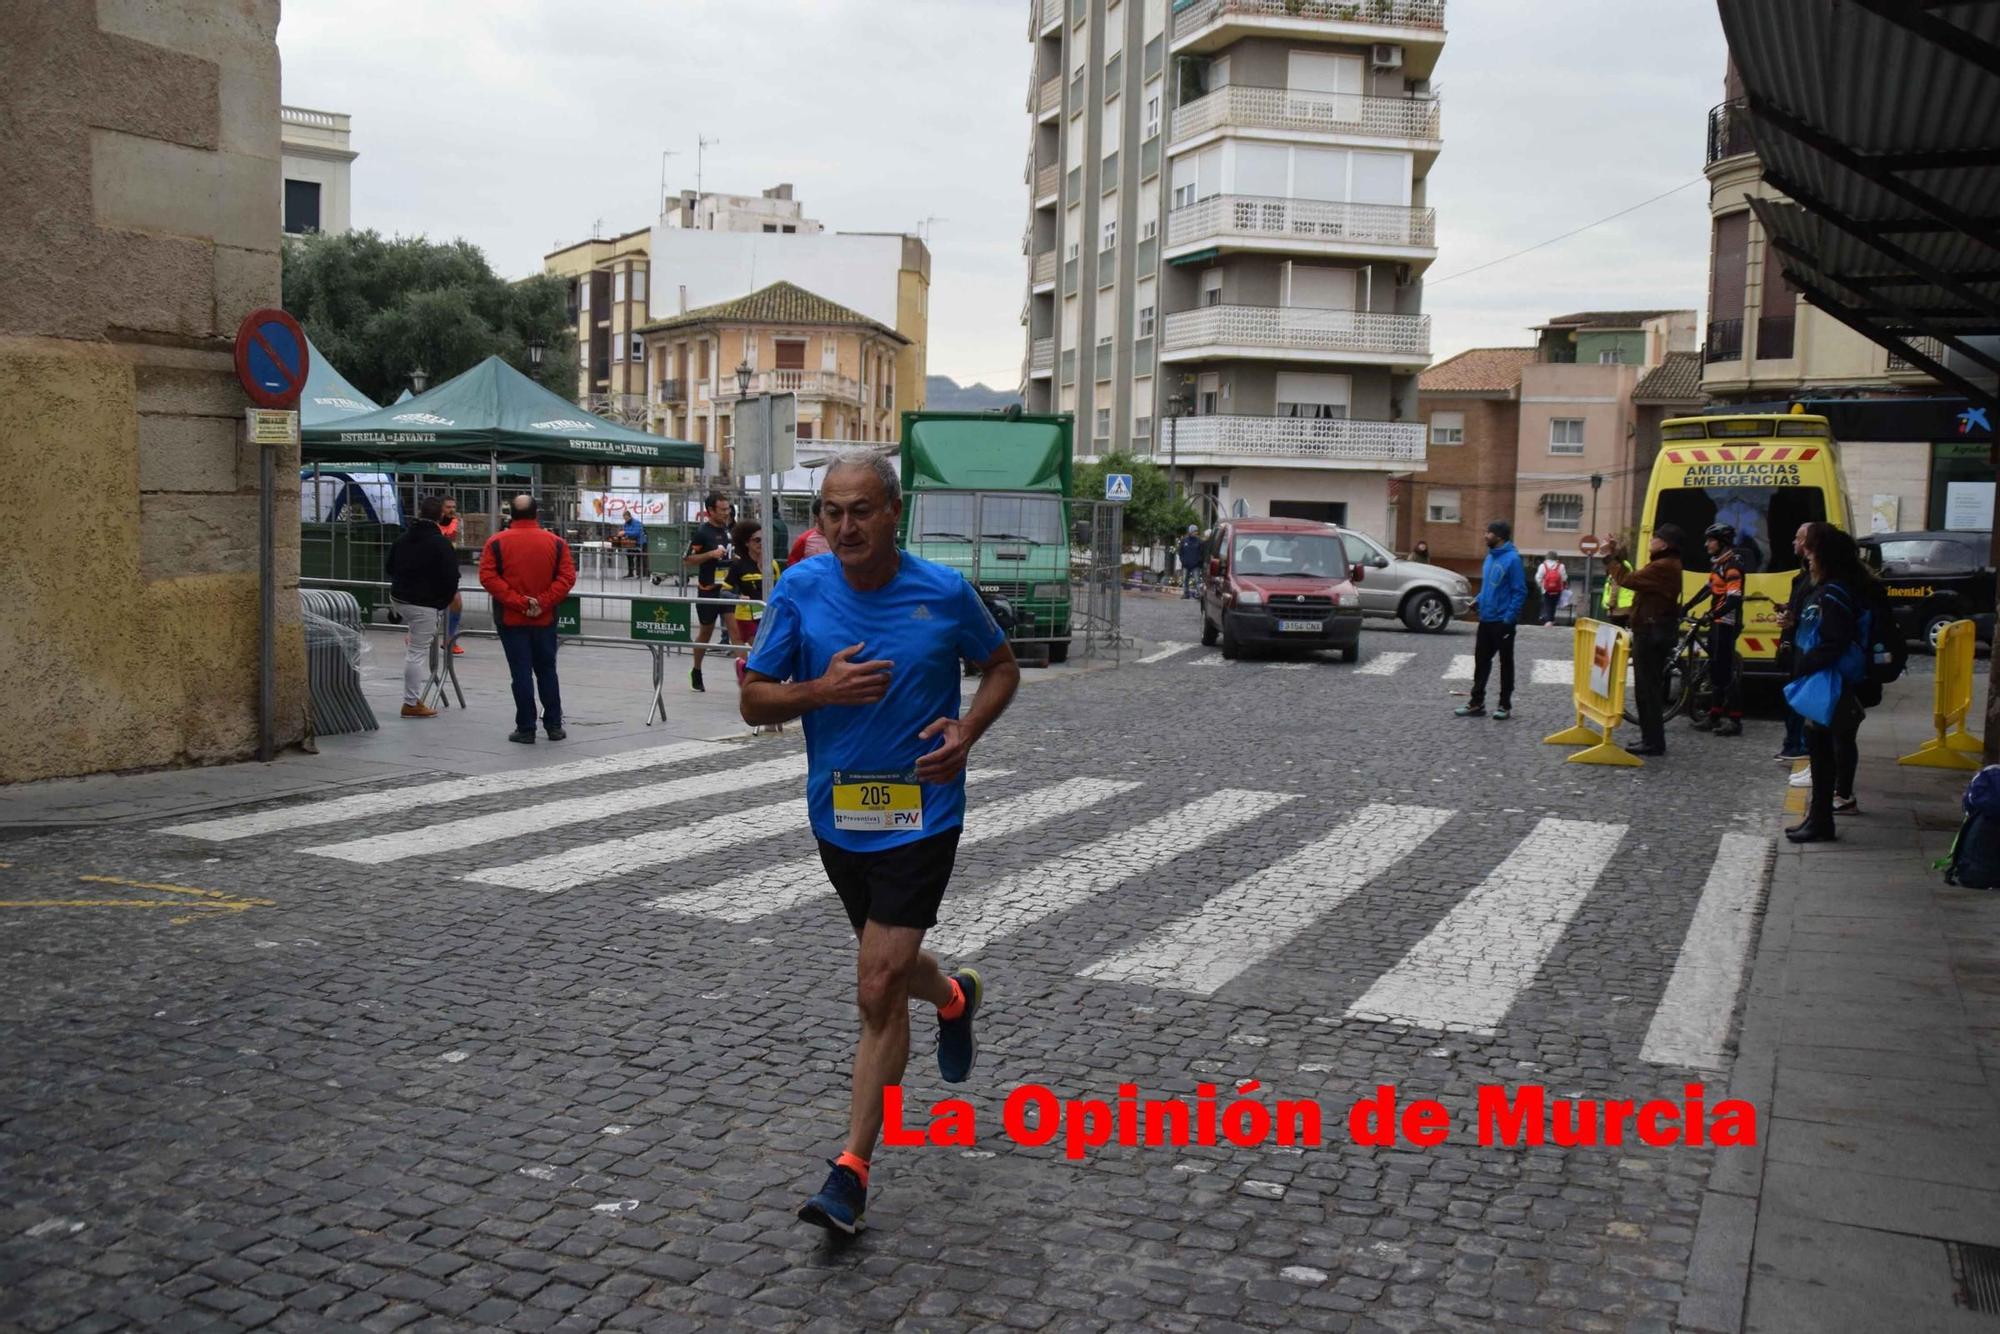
pixel 1504 1116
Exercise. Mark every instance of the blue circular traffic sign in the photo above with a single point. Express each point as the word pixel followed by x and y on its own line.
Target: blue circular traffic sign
pixel 271 358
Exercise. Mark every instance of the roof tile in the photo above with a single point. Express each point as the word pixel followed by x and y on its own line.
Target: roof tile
pixel 780 303
pixel 1677 379
pixel 1479 370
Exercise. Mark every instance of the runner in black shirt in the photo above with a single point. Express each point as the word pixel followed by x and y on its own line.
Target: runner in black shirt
pixel 708 546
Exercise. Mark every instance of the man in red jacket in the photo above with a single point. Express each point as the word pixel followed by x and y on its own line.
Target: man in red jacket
pixel 529 571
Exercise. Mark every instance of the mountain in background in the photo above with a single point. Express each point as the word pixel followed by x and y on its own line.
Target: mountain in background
pixel 944 394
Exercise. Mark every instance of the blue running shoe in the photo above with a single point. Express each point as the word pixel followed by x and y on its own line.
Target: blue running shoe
pixel 957 1048
pixel 839 1204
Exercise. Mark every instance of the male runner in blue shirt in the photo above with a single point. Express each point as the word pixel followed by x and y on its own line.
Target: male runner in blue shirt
pixel 867 648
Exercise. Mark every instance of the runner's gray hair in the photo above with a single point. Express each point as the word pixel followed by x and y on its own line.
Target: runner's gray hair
pixel 875 461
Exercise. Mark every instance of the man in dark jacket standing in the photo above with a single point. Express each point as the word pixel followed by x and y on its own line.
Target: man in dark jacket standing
pixel 1503 591
pixel 1190 561
pixel 529 571
pixel 1656 618
pixel 423 581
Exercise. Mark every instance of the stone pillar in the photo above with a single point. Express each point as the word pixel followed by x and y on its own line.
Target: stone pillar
pixel 139 222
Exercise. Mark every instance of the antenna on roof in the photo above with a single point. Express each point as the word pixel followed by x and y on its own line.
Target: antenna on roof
pixel 924 227
pixel 701 146
pixel 665 153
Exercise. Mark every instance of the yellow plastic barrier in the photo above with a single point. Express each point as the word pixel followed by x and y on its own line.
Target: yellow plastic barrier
pixel 1601 649
pixel 1951 703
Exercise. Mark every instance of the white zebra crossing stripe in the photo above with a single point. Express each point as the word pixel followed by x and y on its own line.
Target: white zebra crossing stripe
pixel 1068 878
pixel 1163 652
pixel 1551 672
pixel 1201 951
pixel 1383 664
pixel 1466 973
pixel 1541 671
pixel 1691 1025
pixel 659 847
pixel 774 889
pixel 454 834
pixel 337 810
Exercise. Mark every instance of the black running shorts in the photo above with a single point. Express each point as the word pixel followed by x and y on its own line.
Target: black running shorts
pixel 710 612
pixel 899 886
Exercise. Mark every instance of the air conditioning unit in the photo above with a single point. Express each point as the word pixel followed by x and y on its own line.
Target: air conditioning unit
pixel 1387 56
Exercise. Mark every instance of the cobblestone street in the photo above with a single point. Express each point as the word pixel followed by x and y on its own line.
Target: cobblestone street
pixel 448 1053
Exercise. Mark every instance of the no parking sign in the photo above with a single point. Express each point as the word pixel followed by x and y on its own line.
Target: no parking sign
pixel 271 358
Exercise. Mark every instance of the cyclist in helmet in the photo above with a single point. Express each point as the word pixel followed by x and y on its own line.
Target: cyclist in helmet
pixel 1725 592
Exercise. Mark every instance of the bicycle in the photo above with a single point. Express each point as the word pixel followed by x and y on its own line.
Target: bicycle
pixel 1687 668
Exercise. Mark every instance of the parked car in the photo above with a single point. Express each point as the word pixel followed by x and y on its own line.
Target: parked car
pixel 1935 578
pixel 1424 597
pixel 1280 583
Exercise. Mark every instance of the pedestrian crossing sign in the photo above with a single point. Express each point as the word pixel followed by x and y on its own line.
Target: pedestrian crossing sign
pixel 1118 486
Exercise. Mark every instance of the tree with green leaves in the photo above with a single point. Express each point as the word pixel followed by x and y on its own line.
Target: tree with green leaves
pixel 1154 514
pixel 379 309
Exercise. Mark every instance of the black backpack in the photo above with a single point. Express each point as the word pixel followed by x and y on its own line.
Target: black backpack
pixel 1888 653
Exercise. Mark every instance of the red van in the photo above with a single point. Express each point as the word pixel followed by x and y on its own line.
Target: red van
pixel 1280 583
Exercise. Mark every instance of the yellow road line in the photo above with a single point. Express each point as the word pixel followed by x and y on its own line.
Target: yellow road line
pixel 174 889
pixel 110 903
pixel 1797 798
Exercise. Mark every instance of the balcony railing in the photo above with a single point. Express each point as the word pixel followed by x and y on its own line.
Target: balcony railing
pixel 1309 439
pixel 670 391
pixel 1308 221
pixel 1299 329
pixel 1192 18
pixel 1774 337
pixel 1041 356
pixel 1729 131
pixel 1725 341
pixel 1242 107
pixel 806 384
pixel 1046 181
pixel 1045 268
pixel 1050 101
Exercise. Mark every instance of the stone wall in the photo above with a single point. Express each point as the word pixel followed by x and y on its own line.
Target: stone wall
pixel 139 223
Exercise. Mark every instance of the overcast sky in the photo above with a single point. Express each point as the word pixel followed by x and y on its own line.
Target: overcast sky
pixel 520 124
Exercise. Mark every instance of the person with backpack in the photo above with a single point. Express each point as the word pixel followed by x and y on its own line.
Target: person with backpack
pixel 1725 593
pixel 1552 577
pixel 1832 667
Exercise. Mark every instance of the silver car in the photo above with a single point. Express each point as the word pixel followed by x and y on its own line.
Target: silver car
pixel 1424 597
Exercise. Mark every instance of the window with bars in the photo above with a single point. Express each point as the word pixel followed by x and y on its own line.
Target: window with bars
pixel 1562 514
pixel 1566 435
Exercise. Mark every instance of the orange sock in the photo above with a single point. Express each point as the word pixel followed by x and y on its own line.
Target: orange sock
pixel 954 1007
pixel 859 1166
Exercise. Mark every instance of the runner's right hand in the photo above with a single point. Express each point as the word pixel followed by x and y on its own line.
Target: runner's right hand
pixel 848 682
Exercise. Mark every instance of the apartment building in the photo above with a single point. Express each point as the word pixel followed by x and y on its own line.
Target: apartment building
pixel 775 212
pixel 1768 347
pixel 1470 406
pixel 1578 422
pixel 608 285
pixel 840 363
pixel 316 156
pixel 1226 239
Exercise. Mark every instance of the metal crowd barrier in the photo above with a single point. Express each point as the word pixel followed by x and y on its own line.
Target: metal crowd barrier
pixel 333 642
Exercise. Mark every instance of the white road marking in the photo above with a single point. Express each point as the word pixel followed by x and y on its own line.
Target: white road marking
pixel 1460 669
pixel 454 834
pixel 1691 1025
pixel 1487 950
pixel 1554 672
pixel 1210 660
pixel 773 889
pixel 1201 951
pixel 335 810
pixel 1068 878
pixel 659 847
pixel 1383 664
pixel 1163 652
pixel 1291 666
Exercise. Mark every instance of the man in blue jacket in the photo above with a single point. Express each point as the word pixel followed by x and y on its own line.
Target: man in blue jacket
pixel 1503 590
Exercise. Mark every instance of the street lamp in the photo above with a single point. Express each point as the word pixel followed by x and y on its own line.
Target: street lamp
pixel 743 374
pixel 535 349
pixel 1176 406
pixel 419 379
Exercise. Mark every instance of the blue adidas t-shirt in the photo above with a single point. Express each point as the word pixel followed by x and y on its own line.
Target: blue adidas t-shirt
pixel 925 621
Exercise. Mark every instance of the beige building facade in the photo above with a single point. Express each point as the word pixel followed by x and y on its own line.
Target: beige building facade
pixel 141 223
pixel 840 364
pixel 608 287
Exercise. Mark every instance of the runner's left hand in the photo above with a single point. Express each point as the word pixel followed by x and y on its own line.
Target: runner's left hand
pixel 948 760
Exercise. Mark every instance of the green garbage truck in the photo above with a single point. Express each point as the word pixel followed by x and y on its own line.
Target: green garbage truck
pixel 987 494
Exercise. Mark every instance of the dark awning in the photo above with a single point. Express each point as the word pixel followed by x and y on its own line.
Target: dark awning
pixel 1878 119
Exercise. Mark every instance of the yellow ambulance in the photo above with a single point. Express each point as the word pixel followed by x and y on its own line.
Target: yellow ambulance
pixel 1763 474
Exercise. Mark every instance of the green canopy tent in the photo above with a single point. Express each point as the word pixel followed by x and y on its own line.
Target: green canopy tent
pixel 493 414
pixel 327 397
